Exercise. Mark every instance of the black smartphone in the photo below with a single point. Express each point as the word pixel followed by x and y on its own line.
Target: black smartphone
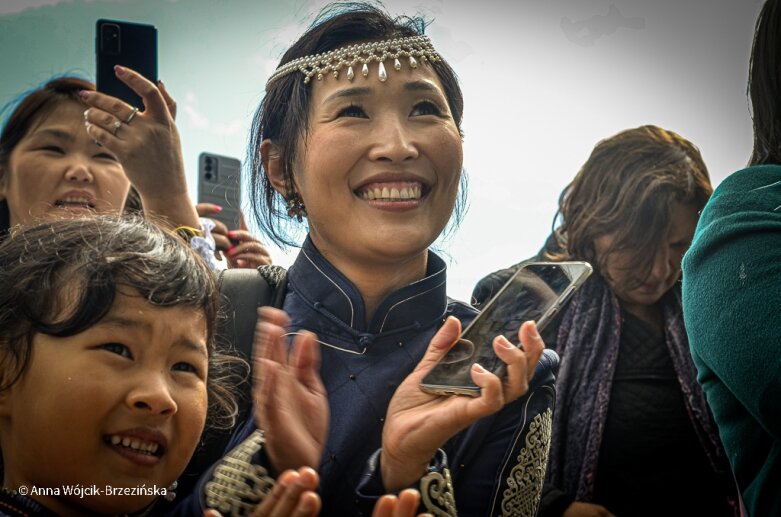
pixel 219 182
pixel 132 45
pixel 537 291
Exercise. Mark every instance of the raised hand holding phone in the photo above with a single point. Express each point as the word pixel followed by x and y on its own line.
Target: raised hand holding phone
pixel 146 143
pixel 536 292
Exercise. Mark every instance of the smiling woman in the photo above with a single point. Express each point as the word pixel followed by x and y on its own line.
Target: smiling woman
pixel 359 133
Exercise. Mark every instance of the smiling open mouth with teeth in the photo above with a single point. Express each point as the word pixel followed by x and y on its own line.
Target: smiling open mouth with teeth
pixel 75 202
pixel 135 445
pixel 392 192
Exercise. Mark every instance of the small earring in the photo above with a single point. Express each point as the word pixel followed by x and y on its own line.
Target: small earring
pixel 170 493
pixel 295 207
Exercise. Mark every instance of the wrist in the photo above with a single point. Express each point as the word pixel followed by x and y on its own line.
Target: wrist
pixel 177 209
pixel 400 474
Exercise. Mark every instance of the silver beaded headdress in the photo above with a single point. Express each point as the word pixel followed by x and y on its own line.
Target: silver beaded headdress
pixel 333 61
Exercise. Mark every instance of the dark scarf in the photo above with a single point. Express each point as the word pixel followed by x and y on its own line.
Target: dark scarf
pixel 588 342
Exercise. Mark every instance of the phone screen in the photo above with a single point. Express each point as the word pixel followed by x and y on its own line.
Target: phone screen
pixel 537 291
pixel 132 45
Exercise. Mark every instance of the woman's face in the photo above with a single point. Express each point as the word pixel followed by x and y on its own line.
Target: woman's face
pixel 57 170
pixel 666 268
pixel 121 404
pixel 379 169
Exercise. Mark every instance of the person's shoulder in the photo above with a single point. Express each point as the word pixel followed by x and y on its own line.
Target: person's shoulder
pixel 749 178
pixel 489 285
pixel 460 309
pixel 745 186
pixel 742 200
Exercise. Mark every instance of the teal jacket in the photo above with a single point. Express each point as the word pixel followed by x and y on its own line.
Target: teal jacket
pixel 732 310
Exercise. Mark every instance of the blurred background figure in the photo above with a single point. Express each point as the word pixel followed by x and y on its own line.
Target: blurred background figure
pixel 632 433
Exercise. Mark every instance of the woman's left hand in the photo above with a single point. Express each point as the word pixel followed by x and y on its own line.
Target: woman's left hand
pixel 146 143
pixel 418 423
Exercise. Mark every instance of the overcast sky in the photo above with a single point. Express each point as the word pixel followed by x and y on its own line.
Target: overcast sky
pixel 543 81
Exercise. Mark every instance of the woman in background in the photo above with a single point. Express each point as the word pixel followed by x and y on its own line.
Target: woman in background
pixel 52 167
pixel 632 433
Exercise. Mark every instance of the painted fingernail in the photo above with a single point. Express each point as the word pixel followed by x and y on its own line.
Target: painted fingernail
pixel 84 94
pixel 230 250
pixel 479 369
pixel 120 70
pixel 231 233
pixel 86 113
pixel 217 208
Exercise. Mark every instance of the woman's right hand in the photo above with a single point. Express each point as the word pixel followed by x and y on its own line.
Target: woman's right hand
pixel 418 423
pixel 291 405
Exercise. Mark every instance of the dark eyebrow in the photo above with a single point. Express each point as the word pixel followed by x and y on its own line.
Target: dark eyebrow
pixel 357 91
pixel 417 86
pixel 125 323
pixel 196 347
pixel 349 92
pixel 57 133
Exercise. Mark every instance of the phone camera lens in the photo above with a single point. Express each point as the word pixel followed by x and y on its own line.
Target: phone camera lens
pixel 208 168
pixel 208 160
pixel 208 175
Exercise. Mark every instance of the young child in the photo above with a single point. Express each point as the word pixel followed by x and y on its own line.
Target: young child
pixel 108 373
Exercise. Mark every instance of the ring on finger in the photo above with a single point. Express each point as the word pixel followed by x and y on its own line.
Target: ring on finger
pixel 132 114
pixel 116 127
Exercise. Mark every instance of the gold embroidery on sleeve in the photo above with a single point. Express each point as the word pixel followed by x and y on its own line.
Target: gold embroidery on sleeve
pixel 237 486
pixel 437 494
pixel 524 484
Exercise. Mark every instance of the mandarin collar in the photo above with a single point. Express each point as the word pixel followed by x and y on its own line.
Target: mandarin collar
pixel 327 290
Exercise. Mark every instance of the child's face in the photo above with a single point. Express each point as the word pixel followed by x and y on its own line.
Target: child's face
pixel 121 404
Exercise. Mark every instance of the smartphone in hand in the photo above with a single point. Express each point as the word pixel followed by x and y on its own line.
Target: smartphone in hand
pixel 537 291
pixel 132 45
pixel 219 182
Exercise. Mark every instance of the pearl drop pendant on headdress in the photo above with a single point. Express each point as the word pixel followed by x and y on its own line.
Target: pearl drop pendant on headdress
pixel 318 65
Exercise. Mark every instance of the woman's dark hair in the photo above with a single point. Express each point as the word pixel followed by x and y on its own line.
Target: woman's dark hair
pixel 61 277
pixel 283 115
pixel 29 110
pixel 764 85
pixel 627 188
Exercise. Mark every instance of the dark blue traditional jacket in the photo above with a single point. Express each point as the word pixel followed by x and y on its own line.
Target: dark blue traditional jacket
pixel 496 465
